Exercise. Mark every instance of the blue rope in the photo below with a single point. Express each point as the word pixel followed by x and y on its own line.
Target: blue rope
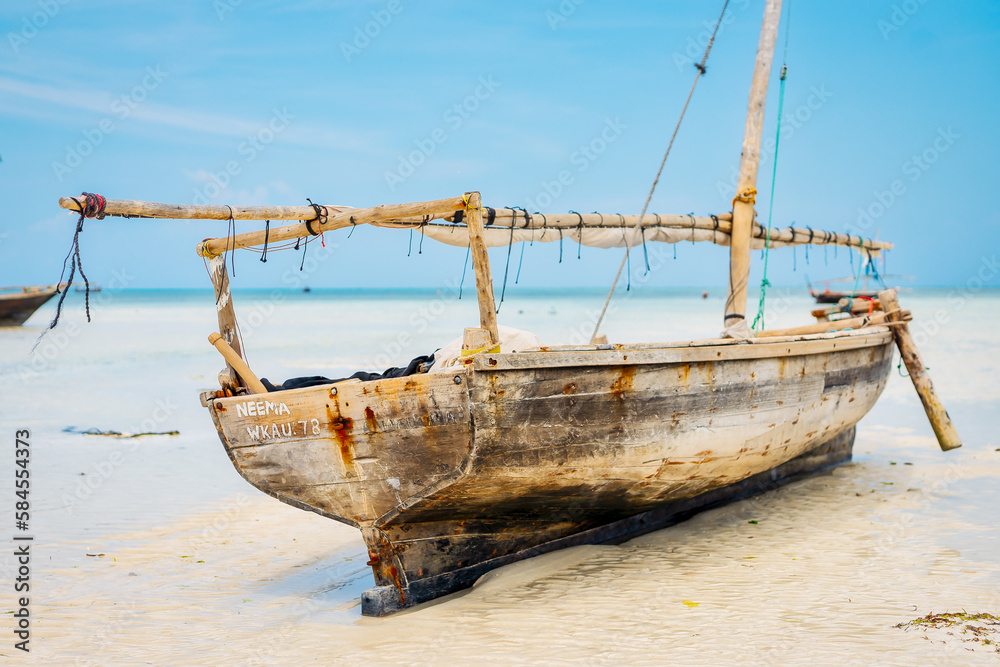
pixel 764 282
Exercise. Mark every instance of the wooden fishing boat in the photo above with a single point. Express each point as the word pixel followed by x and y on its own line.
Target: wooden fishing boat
pixel 504 454
pixel 17 304
pixel 831 296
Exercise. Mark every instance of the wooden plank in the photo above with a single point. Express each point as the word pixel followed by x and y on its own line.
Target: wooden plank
pixel 743 205
pixel 947 436
pixel 645 355
pixel 481 264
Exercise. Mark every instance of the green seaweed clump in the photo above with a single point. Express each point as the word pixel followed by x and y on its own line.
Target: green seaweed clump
pixel 982 629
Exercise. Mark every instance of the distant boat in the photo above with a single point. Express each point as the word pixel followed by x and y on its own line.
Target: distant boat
pixel 834 296
pixel 830 296
pixel 92 289
pixel 18 303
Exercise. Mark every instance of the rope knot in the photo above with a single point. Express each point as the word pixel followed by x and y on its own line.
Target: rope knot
pixel 92 206
pixel 748 195
pixel 206 250
pixel 466 199
pixel 322 215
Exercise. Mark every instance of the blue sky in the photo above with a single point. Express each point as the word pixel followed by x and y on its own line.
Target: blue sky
pixel 890 109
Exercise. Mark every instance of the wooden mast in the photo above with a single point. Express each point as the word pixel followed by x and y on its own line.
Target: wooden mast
pixel 746 189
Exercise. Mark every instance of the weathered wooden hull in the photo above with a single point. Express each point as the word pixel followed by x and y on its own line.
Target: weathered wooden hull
pixel 16 308
pixel 449 475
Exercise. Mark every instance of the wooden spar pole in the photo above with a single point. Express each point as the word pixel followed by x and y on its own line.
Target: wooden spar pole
pixel 481 264
pixel 333 221
pixel 721 224
pixel 330 218
pixel 229 378
pixel 720 231
pixel 839 325
pixel 146 209
pixel 236 362
pixel 947 436
pixel 746 189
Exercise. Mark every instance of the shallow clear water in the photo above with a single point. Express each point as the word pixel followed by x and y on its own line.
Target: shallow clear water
pixel 155 551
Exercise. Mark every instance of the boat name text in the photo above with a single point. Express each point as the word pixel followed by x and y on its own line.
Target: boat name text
pixel 301 428
pixel 261 409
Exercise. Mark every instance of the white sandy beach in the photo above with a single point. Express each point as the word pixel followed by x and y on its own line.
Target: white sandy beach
pixel 154 551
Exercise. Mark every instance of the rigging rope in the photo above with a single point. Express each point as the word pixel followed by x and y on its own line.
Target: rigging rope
pixel 764 282
pixel 92 206
pixel 701 71
pixel 231 236
pixel 464 267
pixel 267 235
pixel 510 243
pixel 857 279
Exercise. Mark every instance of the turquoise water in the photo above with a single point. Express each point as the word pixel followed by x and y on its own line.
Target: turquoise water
pixel 199 568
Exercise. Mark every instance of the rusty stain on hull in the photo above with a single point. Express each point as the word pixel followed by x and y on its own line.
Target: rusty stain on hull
pixel 370 419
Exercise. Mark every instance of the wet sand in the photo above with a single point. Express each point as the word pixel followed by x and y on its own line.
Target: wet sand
pixel 159 553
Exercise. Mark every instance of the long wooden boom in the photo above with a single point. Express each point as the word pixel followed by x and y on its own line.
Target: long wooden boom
pixel 146 209
pixel 454 211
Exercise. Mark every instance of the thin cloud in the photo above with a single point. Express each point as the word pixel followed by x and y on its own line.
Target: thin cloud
pixel 165 115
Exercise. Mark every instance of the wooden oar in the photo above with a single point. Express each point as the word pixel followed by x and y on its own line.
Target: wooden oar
pixel 237 363
pixel 945 431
